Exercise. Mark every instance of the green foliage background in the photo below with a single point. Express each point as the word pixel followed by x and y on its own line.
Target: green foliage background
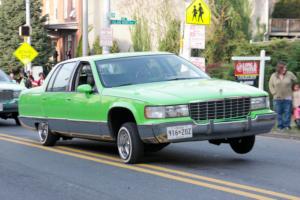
pixel 279 50
pixel 287 9
pixel 12 15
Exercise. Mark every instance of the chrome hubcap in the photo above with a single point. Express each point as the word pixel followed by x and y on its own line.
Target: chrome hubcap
pixel 124 143
pixel 43 131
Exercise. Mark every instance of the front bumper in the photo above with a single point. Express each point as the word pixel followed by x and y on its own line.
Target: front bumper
pixel 261 124
pixel 9 109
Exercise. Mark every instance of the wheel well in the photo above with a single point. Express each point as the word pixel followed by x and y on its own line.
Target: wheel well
pixel 117 117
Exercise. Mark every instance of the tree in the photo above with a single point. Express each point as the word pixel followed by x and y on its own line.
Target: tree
pixel 12 16
pixel 231 19
pixel 287 9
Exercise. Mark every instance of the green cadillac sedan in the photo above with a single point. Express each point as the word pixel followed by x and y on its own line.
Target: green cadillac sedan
pixel 144 102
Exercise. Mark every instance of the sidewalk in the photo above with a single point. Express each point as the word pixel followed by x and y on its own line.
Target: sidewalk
pixel 291 134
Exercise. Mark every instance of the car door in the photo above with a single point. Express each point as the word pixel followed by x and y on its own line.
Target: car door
pixel 85 109
pixel 57 97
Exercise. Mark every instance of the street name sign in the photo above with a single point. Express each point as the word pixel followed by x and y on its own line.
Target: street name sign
pixel 26 53
pixel 198 13
pixel 123 21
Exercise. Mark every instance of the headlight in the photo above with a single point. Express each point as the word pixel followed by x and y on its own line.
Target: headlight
pixel 16 94
pixel 160 112
pixel 260 103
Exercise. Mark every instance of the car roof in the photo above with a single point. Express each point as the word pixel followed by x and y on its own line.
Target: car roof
pixel 116 55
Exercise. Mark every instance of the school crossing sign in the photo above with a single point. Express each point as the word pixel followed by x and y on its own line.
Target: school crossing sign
pixel 26 53
pixel 198 13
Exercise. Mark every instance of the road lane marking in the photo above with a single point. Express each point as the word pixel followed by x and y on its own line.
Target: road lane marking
pixel 169 170
pixel 143 170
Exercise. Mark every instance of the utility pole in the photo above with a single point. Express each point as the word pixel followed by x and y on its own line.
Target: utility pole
pixel 85 28
pixel 28 23
pixel 106 21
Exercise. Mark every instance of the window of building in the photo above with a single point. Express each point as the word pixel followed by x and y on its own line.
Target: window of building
pixel 56 9
pixel 66 9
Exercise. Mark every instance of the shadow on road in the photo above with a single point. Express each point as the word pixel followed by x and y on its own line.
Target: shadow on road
pixel 173 155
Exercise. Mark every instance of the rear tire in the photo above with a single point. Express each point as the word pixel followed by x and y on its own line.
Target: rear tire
pixel 47 138
pixel 155 147
pixel 130 146
pixel 242 145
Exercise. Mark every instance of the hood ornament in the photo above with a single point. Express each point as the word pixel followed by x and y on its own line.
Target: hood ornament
pixel 221 91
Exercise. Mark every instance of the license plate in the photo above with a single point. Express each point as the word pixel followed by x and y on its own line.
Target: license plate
pixel 1 107
pixel 179 132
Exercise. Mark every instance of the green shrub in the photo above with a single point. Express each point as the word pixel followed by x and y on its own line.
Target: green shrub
pixel 97 49
pixel 171 40
pixel 140 35
pixel 115 48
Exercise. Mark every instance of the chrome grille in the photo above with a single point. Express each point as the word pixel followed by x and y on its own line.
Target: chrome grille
pixel 220 109
pixel 6 95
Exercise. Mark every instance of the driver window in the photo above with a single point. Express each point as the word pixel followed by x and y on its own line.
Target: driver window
pixel 84 76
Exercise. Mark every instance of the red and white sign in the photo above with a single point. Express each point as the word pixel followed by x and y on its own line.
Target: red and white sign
pixel 106 37
pixel 197 37
pixel 199 62
pixel 246 68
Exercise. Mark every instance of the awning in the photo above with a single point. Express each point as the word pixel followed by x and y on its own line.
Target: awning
pixel 65 26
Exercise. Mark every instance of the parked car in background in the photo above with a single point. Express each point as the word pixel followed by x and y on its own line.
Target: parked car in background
pixel 143 102
pixel 9 95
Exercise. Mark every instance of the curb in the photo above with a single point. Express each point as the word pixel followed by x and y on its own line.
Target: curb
pixel 282 135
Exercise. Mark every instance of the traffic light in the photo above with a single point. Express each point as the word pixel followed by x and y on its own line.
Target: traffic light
pixel 24 31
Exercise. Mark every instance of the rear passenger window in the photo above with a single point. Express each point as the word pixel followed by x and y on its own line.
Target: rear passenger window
pixel 62 79
pixel 50 84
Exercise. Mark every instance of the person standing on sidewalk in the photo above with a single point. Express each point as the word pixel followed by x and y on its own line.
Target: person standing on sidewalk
pixel 280 86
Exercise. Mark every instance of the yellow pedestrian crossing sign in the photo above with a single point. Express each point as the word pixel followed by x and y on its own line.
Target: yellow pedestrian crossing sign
pixel 26 53
pixel 198 13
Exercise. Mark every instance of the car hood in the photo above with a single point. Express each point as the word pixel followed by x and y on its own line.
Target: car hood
pixel 10 86
pixel 184 91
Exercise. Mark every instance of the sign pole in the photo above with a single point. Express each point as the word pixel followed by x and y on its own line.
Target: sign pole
pixel 262 69
pixel 85 28
pixel 28 23
pixel 106 22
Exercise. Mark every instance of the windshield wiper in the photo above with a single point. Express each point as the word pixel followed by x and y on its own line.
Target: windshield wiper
pixel 183 78
pixel 125 84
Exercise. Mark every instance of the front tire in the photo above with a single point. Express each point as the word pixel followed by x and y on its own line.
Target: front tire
pixel 130 146
pixel 242 145
pixel 47 138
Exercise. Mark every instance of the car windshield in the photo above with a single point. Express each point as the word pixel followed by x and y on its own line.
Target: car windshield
pixel 4 77
pixel 146 69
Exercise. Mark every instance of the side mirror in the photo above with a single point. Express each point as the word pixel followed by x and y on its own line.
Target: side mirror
pixel 86 88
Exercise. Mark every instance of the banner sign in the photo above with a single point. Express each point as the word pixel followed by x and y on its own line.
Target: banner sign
pixel 247 72
pixel 246 68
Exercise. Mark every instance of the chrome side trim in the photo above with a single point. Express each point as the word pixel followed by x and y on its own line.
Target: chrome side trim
pixel 75 120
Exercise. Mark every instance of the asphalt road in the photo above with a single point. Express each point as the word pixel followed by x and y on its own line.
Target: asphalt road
pixel 81 169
